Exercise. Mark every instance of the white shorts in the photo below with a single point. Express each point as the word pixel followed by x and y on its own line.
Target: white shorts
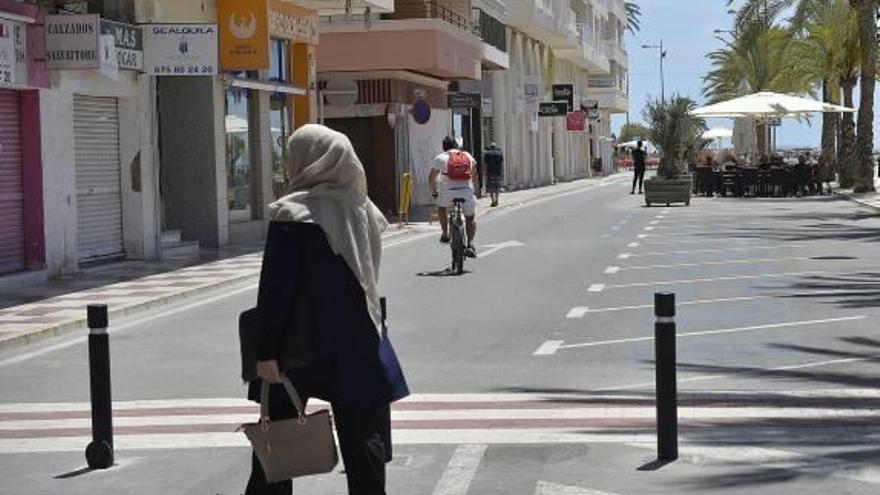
pixel 470 201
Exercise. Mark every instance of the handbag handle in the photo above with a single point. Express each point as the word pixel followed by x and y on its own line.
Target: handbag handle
pixel 294 397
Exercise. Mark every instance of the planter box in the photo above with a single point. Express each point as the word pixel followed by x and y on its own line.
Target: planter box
pixel 668 191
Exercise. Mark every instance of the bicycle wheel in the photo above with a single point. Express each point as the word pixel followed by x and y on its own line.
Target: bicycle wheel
pixel 457 245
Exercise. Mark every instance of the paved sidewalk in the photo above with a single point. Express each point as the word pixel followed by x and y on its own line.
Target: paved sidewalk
pixel 871 200
pixel 44 310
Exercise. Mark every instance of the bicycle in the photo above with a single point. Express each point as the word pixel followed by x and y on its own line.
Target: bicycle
pixel 457 236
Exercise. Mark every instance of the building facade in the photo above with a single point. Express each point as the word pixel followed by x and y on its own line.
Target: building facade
pixel 145 129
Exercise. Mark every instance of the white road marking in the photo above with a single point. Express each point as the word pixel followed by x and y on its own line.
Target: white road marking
pixel 730 299
pixel 649 228
pixel 713 263
pixel 713 332
pixel 814 364
pixel 633 244
pixel 725 250
pixel 642 236
pixel 713 279
pixel 612 269
pixel 547 488
pixel 624 256
pixel 615 228
pixel 653 222
pixel 494 248
pixel 459 473
pixel 596 288
pixel 605 236
pixel 674 239
pixel 577 312
pixel 548 348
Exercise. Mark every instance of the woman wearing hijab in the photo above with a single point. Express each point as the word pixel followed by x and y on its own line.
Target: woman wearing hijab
pixel 318 287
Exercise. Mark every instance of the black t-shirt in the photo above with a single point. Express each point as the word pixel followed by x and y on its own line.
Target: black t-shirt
pixel 494 162
pixel 639 158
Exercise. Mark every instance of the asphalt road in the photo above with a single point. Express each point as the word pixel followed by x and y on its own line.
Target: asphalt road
pixel 533 371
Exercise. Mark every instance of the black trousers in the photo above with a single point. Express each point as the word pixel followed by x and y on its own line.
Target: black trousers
pixel 638 177
pixel 364 434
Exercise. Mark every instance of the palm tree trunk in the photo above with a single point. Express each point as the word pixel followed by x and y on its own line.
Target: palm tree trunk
pixel 761 136
pixel 864 162
pixel 847 147
pixel 829 128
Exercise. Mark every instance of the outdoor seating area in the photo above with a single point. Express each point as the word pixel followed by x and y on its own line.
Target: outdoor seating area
pixel 765 181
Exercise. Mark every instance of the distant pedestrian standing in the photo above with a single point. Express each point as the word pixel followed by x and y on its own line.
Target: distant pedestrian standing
pixel 318 291
pixel 638 157
pixel 494 160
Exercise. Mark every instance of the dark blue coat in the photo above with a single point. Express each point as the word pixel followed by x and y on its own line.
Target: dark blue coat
pixel 348 363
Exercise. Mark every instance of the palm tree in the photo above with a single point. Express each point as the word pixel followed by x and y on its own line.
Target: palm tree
pixel 817 55
pixel 674 131
pixel 754 61
pixel 863 155
pixel 633 17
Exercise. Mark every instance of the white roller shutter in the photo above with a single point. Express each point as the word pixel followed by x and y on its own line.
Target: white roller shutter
pixel 11 185
pixel 98 171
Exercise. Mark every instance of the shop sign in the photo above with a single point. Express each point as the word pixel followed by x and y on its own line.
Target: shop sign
pixel 591 107
pixel 552 109
pixel 564 92
pixel 7 54
pixel 180 49
pixel 531 92
pixel 487 106
pixel 293 23
pixel 464 100
pixel 72 41
pixel 575 121
pixel 244 34
pixel 129 41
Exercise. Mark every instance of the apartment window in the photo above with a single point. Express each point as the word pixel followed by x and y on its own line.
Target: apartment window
pixel 280 114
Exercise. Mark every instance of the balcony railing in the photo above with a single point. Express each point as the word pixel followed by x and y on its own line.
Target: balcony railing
pixel 492 31
pixel 431 9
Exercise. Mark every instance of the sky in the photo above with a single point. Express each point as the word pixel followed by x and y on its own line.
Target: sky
pixel 686 28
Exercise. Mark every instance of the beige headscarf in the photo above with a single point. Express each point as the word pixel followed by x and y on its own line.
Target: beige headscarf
pixel 328 187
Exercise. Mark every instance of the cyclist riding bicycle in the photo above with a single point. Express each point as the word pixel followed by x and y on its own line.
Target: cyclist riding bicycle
pixel 458 170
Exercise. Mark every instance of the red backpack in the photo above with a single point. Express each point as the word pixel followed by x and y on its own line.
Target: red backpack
pixel 458 167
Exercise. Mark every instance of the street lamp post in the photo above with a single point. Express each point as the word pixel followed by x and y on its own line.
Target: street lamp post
pixel 662 56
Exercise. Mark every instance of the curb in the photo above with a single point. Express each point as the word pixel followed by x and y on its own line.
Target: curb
pixel 32 337
pixel 859 201
pixel 27 338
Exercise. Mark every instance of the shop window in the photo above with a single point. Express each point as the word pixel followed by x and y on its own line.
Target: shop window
pixel 241 169
pixel 281 124
pixel 279 60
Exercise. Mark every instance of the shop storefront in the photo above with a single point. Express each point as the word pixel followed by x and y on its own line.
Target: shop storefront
pixel 267 58
pixel 21 73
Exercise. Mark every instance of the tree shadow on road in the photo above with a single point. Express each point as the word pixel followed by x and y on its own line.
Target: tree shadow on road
pixel 794 442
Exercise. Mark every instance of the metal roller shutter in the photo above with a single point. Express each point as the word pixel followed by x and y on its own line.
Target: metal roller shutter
pixel 98 171
pixel 11 186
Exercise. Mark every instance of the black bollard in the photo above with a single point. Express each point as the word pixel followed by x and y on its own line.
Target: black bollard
pixel 99 453
pixel 666 390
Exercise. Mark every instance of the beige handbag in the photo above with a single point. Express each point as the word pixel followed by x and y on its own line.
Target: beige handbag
pixel 295 447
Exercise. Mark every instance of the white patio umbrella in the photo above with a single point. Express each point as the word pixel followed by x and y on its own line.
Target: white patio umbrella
pixel 768 105
pixel 647 145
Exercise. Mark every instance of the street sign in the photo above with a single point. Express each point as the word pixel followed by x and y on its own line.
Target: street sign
pixel 564 92
pixel 464 100
pixel 553 109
